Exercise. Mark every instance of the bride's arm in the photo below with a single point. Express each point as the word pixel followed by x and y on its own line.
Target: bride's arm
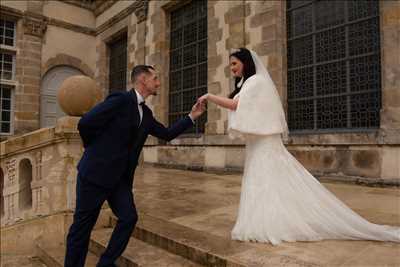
pixel 221 101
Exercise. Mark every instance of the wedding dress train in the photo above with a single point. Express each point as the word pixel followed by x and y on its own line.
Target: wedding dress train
pixel 282 201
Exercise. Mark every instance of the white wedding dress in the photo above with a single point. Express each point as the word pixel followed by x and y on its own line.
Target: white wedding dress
pixel 280 200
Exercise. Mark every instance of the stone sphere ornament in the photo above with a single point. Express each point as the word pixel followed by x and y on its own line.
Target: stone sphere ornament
pixel 78 94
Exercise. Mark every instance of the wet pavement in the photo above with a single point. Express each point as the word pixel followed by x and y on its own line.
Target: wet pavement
pixel 208 202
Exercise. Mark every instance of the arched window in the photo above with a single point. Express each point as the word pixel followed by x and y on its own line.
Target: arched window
pixel 25 194
pixel 50 110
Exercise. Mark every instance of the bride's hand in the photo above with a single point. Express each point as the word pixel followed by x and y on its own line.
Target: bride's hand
pixel 203 99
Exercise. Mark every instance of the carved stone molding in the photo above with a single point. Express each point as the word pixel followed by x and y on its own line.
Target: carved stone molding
pixel 87 4
pixel 39 203
pixel 64 59
pixel 10 12
pixel 39 165
pixel 141 10
pixel 35 25
pixel 10 206
pixel 11 169
pixel 139 7
pixel 101 6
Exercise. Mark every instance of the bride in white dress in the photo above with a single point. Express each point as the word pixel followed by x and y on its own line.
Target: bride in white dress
pixel 280 200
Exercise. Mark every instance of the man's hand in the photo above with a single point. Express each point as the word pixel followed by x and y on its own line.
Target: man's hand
pixel 203 99
pixel 197 110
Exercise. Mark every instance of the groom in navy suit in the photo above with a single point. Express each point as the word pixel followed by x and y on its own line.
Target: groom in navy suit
pixel 113 135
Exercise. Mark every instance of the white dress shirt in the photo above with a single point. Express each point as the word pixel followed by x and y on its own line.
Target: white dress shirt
pixel 140 99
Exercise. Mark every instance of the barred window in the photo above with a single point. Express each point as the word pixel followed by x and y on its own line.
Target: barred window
pixel 118 64
pixel 188 61
pixel 5 108
pixel 7 32
pixel 7 74
pixel 333 65
pixel 6 66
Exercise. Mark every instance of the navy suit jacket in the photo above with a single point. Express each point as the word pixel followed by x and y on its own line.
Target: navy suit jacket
pixel 113 139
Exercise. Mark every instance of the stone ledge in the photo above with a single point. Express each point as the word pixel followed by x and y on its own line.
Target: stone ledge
pixel 65 130
pixel 372 182
pixel 383 137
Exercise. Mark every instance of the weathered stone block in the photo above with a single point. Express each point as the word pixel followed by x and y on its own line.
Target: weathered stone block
pixel 214 62
pixel 365 163
pixel 390 118
pixel 235 157
pixel 391 98
pixel 33 71
pixel 214 114
pixel 186 156
pixel 211 128
pixel 215 157
pixel 265 18
pixel 236 13
pixel 391 16
pixel 150 154
pixel 391 162
pixel 214 88
pixel 214 36
pixel 20 115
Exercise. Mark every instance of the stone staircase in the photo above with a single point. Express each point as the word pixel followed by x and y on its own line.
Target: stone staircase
pixel 155 243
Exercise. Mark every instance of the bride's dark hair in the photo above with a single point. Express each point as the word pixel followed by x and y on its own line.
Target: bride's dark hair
pixel 249 69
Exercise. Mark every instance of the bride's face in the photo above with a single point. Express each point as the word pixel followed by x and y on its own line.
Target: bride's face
pixel 236 66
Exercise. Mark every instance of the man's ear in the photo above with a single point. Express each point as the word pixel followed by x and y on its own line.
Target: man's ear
pixel 141 78
pixel 145 77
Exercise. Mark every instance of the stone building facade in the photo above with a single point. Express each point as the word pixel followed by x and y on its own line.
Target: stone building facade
pixel 189 43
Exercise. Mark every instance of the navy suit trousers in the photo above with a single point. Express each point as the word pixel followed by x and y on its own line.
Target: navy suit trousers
pixel 89 200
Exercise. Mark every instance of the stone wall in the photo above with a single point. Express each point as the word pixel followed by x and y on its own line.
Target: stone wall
pixel 390 47
pixel 42 32
pixel 257 24
pixel 261 25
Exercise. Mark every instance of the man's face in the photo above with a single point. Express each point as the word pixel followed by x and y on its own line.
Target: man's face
pixel 151 82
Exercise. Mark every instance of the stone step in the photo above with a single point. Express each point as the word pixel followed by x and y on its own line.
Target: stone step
pixel 53 255
pixel 138 253
pixel 197 246
pixel 12 260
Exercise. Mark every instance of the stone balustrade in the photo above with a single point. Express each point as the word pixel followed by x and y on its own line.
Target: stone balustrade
pixel 38 172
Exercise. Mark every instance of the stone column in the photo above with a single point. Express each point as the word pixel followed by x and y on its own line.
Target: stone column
pixel 267 28
pixel 141 31
pixel 101 73
pixel 220 40
pixel 37 185
pixel 157 54
pixel 28 68
pixel 390 75
pixel 9 192
pixel 390 60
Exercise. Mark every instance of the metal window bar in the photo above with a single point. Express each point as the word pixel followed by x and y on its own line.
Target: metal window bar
pixel 357 48
pixel 188 56
pixel 7 32
pixel 6 66
pixel 118 64
pixel 5 109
